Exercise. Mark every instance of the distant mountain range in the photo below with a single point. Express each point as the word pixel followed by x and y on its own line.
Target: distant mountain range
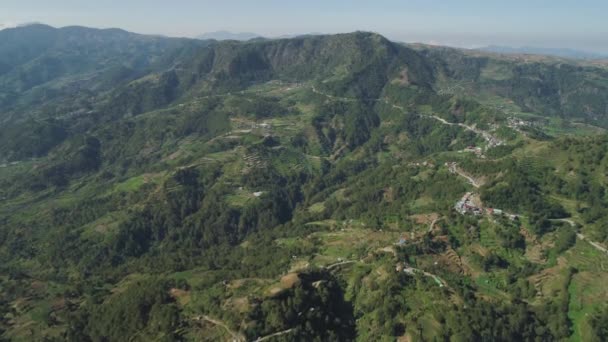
pixel 227 35
pixel 244 36
pixel 557 52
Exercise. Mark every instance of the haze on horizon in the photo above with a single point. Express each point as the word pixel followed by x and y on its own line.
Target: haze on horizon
pixel 465 23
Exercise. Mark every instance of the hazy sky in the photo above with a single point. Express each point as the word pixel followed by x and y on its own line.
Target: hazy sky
pixel 581 24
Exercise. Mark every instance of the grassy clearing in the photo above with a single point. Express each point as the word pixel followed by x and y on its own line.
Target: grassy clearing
pixel 430 327
pixel 344 244
pixel 423 204
pixel 487 235
pixel 488 284
pixel 317 208
pixel 240 200
pixel 584 257
pixel 587 290
pixel 288 242
pixel 131 184
pixel 557 126
pixel 425 109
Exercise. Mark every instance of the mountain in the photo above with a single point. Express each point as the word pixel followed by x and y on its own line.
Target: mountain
pixel 540 85
pixel 227 35
pixel 326 187
pixel 557 52
pixel 50 73
pixel 37 54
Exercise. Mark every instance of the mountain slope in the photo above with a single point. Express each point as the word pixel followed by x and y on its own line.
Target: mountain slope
pixel 327 58
pixel 48 74
pixel 537 85
pixel 41 63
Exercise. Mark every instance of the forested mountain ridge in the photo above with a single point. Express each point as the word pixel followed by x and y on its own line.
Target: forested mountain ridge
pixel 338 60
pixel 36 55
pixel 549 86
pixel 340 187
pixel 190 68
pixel 50 77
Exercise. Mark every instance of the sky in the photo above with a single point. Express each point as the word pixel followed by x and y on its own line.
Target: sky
pixel 579 24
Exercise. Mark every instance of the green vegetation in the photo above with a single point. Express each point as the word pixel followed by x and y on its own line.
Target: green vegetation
pixel 296 189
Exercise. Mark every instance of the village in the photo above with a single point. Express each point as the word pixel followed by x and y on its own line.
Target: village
pixel 470 203
pixel 491 139
pixel 517 123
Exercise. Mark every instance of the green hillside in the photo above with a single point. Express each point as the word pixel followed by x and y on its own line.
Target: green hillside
pixel 339 187
pixel 546 86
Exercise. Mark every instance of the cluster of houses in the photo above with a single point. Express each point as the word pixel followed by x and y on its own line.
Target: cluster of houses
pixel 466 206
pixel 517 124
pixel 514 122
pixel 492 140
pixel 489 138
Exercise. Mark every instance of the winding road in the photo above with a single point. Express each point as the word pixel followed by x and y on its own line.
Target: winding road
pixel 582 237
pixel 492 140
pixel 454 168
pixel 346 262
pixel 432 225
pixel 592 243
pixel 487 136
pixel 413 271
